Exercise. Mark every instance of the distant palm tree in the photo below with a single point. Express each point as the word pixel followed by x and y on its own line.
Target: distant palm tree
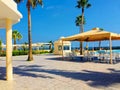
pixel 82 4
pixel 0 46
pixel 51 44
pixel 101 29
pixel 29 4
pixel 16 36
pixel 24 46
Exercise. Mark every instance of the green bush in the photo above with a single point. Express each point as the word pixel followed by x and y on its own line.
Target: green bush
pixel 15 52
pixel 39 52
pixel 36 52
pixel 19 52
pixel 22 52
pixel 2 53
pixel 43 52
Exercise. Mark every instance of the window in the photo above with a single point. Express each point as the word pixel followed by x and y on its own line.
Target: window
pixel 66 47
pixel 59 48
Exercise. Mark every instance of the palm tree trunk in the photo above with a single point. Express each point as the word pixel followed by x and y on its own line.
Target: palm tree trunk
pixel 14 44
pixel 80 41
pixel 82 30
pixel 30 56
pixel 99 45
pixel 50 46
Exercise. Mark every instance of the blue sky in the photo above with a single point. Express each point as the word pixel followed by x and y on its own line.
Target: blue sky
pixel 57 18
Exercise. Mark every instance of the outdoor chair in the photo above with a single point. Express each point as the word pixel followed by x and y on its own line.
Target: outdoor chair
pixel 107 58
pixel 89 56
pixel 85 55
pixel 117 57
pixel 73 55
pixel 66 55
pixel 70 55
pixel 101 57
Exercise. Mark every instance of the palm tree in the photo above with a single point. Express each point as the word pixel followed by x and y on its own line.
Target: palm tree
pixel 16 36
pixel 24 46
pixel 101 29
pixel 82 4
pixel 29 4
pixel 50 47
pixel 0 46
pixel 78 21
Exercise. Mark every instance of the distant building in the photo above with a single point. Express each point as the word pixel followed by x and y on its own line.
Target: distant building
pixel 58 47
pixel 35 46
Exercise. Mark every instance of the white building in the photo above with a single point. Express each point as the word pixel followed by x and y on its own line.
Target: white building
pixel 62 47
pixel 9 15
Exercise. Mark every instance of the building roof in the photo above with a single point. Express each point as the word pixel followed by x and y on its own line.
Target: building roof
pixel 8 9
pixel 93 35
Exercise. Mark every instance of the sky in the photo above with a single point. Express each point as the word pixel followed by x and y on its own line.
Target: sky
pixel 57 19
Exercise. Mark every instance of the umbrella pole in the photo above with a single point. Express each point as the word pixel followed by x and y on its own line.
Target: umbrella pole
pixel 62 50
pixel 110 51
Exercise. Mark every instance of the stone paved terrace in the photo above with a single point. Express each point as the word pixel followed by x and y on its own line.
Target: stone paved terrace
pixel 49 72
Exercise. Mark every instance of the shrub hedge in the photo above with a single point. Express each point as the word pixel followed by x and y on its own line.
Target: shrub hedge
pixel 22 52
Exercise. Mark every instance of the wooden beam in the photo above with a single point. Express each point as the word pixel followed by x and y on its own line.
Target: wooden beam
pixel 111 62
pixel 62 50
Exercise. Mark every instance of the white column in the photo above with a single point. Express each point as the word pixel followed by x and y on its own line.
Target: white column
pixel 9 70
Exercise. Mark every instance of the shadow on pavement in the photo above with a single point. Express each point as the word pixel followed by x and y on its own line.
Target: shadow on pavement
pixel 92 78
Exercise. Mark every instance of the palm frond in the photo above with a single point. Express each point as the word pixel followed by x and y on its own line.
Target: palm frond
pixel 16 35
pixel 78 4
pixel 40 2
pixel 78 20
pixel 83 4
pixel 18 1
pixel 19 36
pixel 34 3
pixel 88 5
pixel 101 29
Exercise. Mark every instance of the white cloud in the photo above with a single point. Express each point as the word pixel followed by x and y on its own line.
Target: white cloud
pixel 53 7
pixel 50 7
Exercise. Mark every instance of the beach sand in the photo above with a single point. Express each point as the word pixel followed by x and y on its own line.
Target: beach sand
pixel 49 72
